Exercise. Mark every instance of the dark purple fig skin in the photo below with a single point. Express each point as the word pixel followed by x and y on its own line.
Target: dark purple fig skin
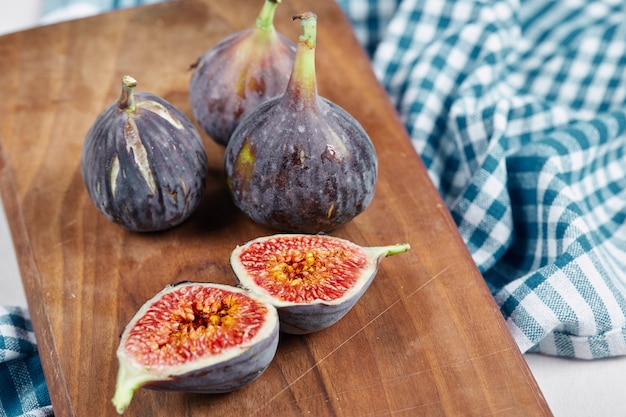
pixel 310 318
pixel 177 161
pixel 216 102
pixel 287 170
pixel 226 376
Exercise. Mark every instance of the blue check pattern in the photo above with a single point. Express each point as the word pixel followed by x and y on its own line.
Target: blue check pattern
pixel 23 390
pixel 518 110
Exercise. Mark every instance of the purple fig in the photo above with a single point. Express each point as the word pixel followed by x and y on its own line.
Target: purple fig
pixel 241 71
pixel 299 162
pixel 143 162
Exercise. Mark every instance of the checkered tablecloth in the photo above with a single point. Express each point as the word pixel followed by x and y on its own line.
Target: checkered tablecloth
pixel 518 110
pixel 23 390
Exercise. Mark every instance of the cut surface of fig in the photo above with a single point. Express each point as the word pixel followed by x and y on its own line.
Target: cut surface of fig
pixel 143 162
pixel 300 163
pixel 238 73
pixel 313 280
pixel 196 337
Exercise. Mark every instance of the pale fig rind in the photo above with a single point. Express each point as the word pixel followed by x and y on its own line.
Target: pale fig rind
pixel 228 376
pixel 145 169
pixel 212 374
pixel 303 317
pixel 241 71
pixel 311 318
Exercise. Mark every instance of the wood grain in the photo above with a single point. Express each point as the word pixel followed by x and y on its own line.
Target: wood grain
pixel 426 339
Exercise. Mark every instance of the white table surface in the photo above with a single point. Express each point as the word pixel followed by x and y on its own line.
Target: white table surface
pixel 572 388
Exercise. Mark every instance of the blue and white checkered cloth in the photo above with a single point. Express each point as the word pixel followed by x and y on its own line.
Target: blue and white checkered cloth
pixel 518 110
pixel 23 390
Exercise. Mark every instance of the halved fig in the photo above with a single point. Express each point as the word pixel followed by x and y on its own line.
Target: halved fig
pixel 196 337
pixel 313 280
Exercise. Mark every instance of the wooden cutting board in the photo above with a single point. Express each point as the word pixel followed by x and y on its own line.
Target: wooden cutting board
pixel 426 339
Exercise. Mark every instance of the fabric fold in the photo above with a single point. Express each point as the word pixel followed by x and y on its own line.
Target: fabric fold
pixel 517 110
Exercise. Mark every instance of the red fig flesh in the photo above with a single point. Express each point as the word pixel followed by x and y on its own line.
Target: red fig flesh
pixel 196 337
pixel 299 162
pixel 313 280
pixel 241 71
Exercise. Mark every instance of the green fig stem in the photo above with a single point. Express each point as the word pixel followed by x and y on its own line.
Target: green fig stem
pixel 265 20
pixel 302 84
pixel 127 99
pixel 308 34
pixel 380 252
pixel 127 383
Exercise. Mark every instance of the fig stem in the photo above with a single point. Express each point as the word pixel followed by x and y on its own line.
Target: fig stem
pixel 265 20
pixel 302 83
pixel 308 34
pixel 127 383
pixel 127 98
pixel 383 251
pixel 378 253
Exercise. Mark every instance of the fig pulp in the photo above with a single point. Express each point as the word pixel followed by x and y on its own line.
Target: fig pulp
pixel 196 337
pixel 299 162
pixel 313 280
pixel 143 162
pixel 241 71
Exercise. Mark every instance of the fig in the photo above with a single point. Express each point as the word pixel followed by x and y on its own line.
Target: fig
pixel 143 162
pixel 239 72
pixel 196 337
pixel 300 163
pixel 313 280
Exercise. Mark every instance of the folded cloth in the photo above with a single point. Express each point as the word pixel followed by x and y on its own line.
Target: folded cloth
pixel 23 390
pixel 518 110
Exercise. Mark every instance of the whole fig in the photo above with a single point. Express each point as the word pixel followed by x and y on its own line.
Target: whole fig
pixel 313 280
pixel 143 162
pixel 241 71
pixel 299 162
pixel 196 337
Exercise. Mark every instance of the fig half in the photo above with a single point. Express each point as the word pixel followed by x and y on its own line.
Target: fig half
pixel 313 280
pixel 196 337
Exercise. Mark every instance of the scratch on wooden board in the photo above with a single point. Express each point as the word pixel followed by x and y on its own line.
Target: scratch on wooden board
pixel 69 224
pixel 316 364
pixel 502 411
pixel 402 410
pixel 401 378
pixel 66 241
